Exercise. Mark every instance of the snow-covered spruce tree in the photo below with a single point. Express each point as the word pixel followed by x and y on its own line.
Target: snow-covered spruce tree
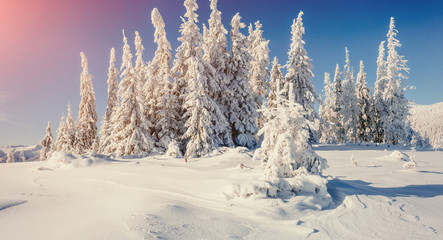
pixel 338 131
pixel 69 143
pixel 275 79
pixel 299 74
pixel 195 80
pixel 326 113
pixel 165 112
pixel 395 122
pixel 61 134
pixel 113 103
pixel 364 103
pixel 285 152
pixel 259 66
pixel 86 131
pixel 130 133
pixel 9 155
pixel 348 101
pixel 216 54
pixel 46 144
pixel 379 88
pixel 242 107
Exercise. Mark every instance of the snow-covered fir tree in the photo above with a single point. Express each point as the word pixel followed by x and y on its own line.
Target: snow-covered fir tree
pixel 46 144
pixel 259 66
pixel 61 134
pixel 107 125
pixel 86 127
pixel 379 88
pixel 242 107
pixel 285 152
pixel 326 112
pixel 165 112
pixel 195 80
pixel 130 133
pixel 299 74
pixel 395 122
pixel 365 105
pixel 338 131
pixel 216 54
pixel 9 155
pixel 348 101
pixel 276 77
pixel 69 143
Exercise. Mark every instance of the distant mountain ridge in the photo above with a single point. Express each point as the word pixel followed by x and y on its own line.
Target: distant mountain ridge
pixel 428 121
pixel 31 153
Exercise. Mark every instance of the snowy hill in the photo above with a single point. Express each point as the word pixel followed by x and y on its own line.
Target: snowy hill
pixel 95 197
pixel 26 153
pixel 427 120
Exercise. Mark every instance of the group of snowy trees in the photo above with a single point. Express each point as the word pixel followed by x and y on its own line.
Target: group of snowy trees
pixel 350 113
pixel 210 97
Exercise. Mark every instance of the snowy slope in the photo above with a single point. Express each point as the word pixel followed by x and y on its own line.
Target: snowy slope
pixel 94 197
pixel 31 153
pixel 427 120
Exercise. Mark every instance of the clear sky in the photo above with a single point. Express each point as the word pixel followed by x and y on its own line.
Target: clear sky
pixel 40 42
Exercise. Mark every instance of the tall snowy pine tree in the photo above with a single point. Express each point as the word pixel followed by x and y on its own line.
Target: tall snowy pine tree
pixel 395 122
pixel 326 113
pixel 299 74
pixel 259 66
pixel 216 54
pixel 130 133
pixel 365 105
pixel 339 134
pixel 242 107
pixel 379 88
pixel 107 125
pixel 86 131
pixel 348 102
pixel 276 79
pixel 165 112
pixel 195 80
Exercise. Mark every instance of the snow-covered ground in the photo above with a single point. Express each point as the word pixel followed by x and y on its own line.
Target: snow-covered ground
pixel 94 197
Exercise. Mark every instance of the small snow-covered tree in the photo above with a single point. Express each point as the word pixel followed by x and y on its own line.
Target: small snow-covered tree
pixel 285 152
pixel 86 132
pixel 9 155
pixel 61 134
pixel 107 125
pixel 242 107
pixel 69 143
pixel 166 117
pixel 338 131
pixel 379 88
pixel 276 77
pixel 46 144
pixel 195 80
pixel 364 103
pixel 348 101
pixel 259 66
pixel 326 113
pixel 130 135
pixel 299 73
pixel 395 122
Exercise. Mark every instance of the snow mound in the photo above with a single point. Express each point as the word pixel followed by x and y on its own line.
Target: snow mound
pixel 62 160
pixel 399 155
pixel 311 187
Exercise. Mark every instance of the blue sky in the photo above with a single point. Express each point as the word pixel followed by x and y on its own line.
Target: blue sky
pixel 40 62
